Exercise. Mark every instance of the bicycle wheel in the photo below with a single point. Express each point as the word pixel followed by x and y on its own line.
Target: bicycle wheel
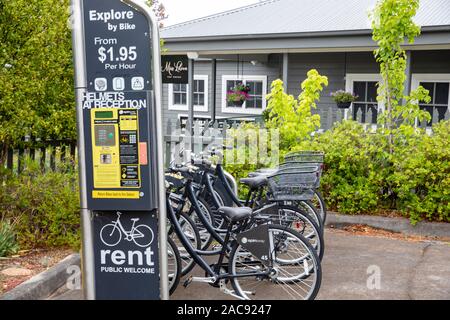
pixel 298 220
pixel 111 235
pixel 206 237
pixel 319 203
pixel 143 236
pixel 295 271
pixel 191 232
pixel 311 210
pixel 174 265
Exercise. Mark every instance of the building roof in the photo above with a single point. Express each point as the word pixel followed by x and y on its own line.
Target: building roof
pixel 284 18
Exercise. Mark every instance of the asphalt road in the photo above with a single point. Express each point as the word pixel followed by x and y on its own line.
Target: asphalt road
pixel 359 267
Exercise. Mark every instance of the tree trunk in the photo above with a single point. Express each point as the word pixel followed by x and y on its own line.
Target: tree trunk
pixel 3 153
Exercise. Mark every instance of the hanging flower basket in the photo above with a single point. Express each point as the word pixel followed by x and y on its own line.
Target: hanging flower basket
pixel 238 95
pixel 238 103
pixel 343 99
pixel 343 105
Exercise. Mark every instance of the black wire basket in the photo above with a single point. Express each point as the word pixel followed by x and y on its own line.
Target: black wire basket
pixel 313 166
pixel 305 157
pixel 295 184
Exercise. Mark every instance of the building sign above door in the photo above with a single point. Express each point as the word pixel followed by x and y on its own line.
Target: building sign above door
pixel 175 69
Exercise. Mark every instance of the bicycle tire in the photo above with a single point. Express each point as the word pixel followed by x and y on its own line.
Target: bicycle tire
pixel 187 261
pixel 310 210
pixel 173 283
pixel 200 227
pixel 317 271
pixel 304 218
pixel 323 206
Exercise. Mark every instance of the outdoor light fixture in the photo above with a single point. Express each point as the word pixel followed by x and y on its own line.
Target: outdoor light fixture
pixel 192 55
pixel 254 62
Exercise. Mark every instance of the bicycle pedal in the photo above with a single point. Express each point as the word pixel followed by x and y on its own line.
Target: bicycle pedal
pixel 187 282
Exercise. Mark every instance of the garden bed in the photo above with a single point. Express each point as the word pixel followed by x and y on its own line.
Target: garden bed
pixel 363 230
pixel 26 264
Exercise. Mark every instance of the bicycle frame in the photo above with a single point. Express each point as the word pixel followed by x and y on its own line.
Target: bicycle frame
pixel 196 254
pixel 127 233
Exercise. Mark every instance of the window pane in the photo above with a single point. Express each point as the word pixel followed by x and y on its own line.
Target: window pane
pixel 196 85
pixel 255 87
pixel 199 86
pixel 176 87
pixel 259 87
pixel 258 102
pixel 231 84
pixel 199 99
pixel 183 98
pixel 441 112
pixel 250 103
pixel 177 98
pixel 195 99
pixel 430 87
pixel 371 92
pixel 442 93
pixel 360 90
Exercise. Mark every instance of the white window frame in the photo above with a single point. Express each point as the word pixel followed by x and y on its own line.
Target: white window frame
pixel 184 107
pixel 351 78
pixel 243 109
pixel 417 78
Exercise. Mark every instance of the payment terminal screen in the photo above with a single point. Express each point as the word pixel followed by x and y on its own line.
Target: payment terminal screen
pixel 105 135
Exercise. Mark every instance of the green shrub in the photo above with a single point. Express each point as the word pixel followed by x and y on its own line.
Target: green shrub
pixel 46 204
pixel 8 243
pixel 362 176
pixel 421 176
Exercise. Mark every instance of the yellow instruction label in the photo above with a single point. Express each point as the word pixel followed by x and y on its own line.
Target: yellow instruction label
pixel 115 194
pixel 115 149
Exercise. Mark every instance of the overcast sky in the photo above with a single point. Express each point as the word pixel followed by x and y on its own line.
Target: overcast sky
pixel 185 10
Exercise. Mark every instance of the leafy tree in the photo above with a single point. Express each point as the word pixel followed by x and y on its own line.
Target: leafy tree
pixel 293 117
pixel 36 73
pixel 392 23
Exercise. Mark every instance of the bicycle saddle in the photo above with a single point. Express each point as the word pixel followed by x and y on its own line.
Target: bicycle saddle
pixel 235 214
pixel 262 172
pixel 255 182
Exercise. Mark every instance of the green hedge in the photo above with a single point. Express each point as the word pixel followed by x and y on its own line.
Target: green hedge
pixel 362 177
pixel 46 204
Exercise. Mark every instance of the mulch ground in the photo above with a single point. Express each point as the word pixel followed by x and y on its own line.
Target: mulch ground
pixel 36 261
pixel 363 230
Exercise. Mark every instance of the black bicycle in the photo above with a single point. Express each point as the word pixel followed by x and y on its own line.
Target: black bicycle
pixel 259 255
pixel 279 212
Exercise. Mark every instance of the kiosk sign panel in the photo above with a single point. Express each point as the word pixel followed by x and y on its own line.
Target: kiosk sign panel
pixel 120 146
pixel 126 260
pixel 117 107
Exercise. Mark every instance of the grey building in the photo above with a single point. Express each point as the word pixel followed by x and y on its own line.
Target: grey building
pixel 284 39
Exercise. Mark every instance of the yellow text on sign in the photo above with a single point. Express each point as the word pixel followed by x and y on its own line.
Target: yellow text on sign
pixel 115 194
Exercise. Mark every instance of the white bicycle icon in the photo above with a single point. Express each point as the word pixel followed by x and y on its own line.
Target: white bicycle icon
pixel 141 235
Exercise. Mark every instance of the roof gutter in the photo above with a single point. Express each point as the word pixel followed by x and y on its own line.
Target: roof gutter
pixel 268 36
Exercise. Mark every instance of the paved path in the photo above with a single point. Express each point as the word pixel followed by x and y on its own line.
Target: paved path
pixel 409 270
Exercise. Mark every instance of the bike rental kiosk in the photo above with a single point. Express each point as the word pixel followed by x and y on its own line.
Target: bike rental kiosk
pixel 118 91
